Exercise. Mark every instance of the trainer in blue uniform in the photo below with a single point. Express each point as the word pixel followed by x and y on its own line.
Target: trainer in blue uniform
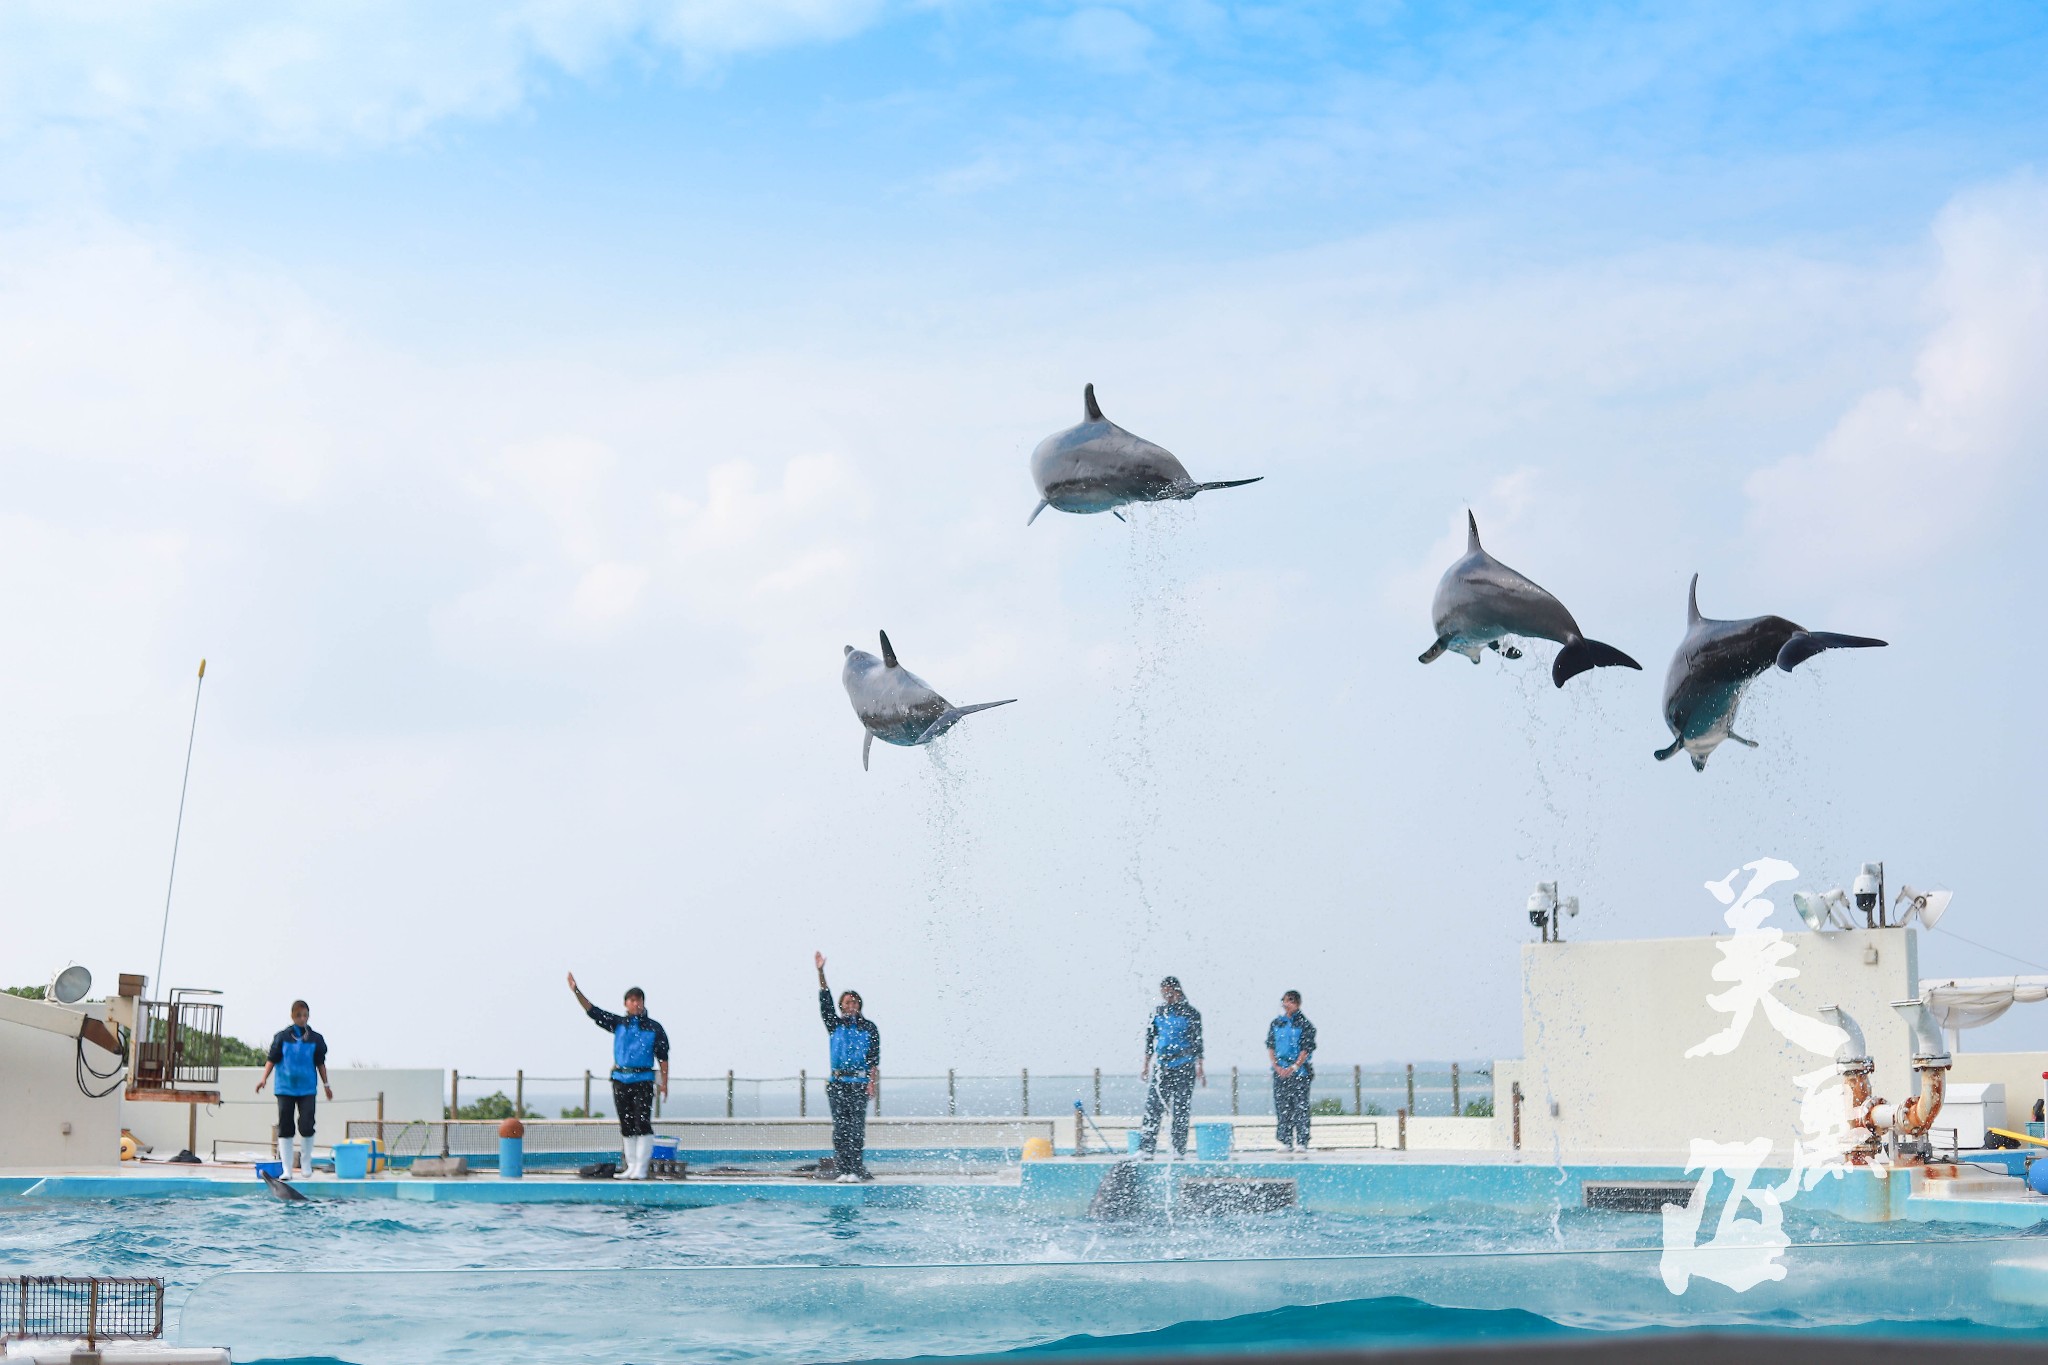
pixel 299 1057
pixel 639 1054
pixel 1173 1039
pixel 1291 1045
pixel 856 1073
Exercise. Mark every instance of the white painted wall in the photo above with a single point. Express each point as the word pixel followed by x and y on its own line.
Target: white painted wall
pixel 39 1095
pixel 244 1119
pixel 1605 1027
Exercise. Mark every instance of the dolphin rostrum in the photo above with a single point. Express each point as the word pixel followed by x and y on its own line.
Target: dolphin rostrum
pixel 1717 660
pixel 1480 601
pixel 1097 466
pixel 282 1190
pixel 894 704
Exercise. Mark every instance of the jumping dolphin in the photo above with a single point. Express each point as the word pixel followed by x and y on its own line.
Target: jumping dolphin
pixel 1718 659
pixel 1097 466
pixel 894 704
pixel 1480 601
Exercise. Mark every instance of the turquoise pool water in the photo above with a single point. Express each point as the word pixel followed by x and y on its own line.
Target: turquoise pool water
pixel 364 1281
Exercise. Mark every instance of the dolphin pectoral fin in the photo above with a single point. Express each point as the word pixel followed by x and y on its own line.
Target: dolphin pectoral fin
pixel 1434 652
pixel 1745 743
pixel 1668 750
pixel 1807 643
pixel 1042 505
pixel 1580 655
pixel 1119 516
pixel 1225 483
pixel 867 742
pixel 948 719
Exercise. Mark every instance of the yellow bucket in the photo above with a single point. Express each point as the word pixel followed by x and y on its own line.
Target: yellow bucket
pixel 1038 1149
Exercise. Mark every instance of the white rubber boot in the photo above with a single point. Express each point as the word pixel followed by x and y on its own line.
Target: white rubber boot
pixel 643 1152
pixel 306 1156
pixel 284 1148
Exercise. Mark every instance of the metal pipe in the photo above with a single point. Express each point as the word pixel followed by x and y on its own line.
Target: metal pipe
pixel 728 1094
pixel 1027 1092
pixel 1098 1092
pixel 1233 1092
pixel 454 1093
pixel 1515 1101
pixel 952 1105
pixel 1456 1108
pixel 803 1093
pixel 519 1093
pixel 1357 1089
pixel 1401 1128
pixel 586 1095
pixel 1411 1087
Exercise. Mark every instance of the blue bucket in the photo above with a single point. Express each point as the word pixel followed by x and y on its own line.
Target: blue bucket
pixel 273 1169
pixel 664 1150
pixel 1212 1142
pixel 1133 1140
pixel 351 1160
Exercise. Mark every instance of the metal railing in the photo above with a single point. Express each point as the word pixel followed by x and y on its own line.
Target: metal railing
pixel 95 1307
pixel 177 1044
pixel 1419 1091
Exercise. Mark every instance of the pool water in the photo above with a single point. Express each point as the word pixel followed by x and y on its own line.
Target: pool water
pixel 765 1279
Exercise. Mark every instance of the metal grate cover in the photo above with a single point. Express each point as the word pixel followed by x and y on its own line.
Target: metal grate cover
pixel 94 1307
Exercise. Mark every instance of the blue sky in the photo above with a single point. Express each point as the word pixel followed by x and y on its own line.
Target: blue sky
pixel 522 404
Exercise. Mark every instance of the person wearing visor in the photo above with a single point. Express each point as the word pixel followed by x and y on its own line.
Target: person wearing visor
pixel 856 1074
pixel 639 1060
pixel 1173 1044
pixel 299 1057
pixel 1291 1047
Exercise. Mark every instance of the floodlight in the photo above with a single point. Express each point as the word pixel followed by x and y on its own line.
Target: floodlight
pixel 1926 906
pixel 70 986
pixel 1813 910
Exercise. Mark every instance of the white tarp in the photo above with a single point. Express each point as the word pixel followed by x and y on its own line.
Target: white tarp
pixel 1968 1001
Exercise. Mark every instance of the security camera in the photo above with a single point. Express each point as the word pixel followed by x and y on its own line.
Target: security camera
pixel 1869 889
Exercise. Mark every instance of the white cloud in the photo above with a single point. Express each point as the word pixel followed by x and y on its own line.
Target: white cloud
pixel 1911 468
pixel 305 74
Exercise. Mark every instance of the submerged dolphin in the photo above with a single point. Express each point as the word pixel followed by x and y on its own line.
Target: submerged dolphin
pixel 894 704
pixel 1480 601
pixel 1097 466
pixel 282 1190
pixel 1718 659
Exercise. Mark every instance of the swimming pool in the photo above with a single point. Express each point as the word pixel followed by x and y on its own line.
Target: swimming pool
pixel 767 1278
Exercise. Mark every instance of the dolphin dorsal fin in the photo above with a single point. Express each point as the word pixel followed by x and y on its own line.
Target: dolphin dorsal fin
pixel 888 650
pixel 1089 407
pixel 1692 602
pixel 1471 532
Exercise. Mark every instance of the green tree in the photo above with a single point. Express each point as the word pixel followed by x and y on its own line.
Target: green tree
pixel 235 1052
pixel 1327 1106
pixel 25 992
pixel 1479 1109
pixel 576 1112
pixel 496 1105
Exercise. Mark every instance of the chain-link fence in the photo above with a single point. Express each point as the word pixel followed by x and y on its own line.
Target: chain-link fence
pixel 94 1307
pixel 1421 1090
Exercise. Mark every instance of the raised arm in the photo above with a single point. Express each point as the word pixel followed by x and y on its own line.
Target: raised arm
pixel 577 991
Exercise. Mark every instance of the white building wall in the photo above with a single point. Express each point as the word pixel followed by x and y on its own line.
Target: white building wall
pixel 44 1119
pixel 244 1119
pixel 1605 1028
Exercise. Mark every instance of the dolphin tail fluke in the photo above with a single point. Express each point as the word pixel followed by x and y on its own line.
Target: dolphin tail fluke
pixel 948 719
pixel 1580 655
pixel 1807 643
pixel 1042 505
pixel 1430 655
pixel 867 742
pixel 888 650
pixel 1668 750
pixel 1224 483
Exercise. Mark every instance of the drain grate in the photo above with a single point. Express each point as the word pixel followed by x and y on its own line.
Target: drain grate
pixel 1636 1196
